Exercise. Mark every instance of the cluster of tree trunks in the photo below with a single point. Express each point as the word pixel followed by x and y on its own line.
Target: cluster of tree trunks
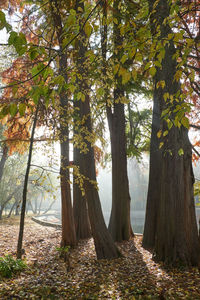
pixel 170 225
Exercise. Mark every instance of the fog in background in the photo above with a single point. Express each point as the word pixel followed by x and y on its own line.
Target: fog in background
pixel 138 173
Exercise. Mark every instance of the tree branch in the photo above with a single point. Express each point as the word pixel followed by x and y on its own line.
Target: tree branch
pixel 53 57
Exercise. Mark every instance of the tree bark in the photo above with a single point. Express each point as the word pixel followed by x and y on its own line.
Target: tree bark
pixel 104 245
pixel 119 224
pixel 153 195
pixel 176 237
pixel 68 227
pixel 3 160
pixel 23 208
pixel 81 217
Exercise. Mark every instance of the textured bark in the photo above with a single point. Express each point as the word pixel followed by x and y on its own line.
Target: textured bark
pixel 153 195
pixel 119 224
pixel 104 245
pixel 176 237
pixel 68 227
pixel 81 217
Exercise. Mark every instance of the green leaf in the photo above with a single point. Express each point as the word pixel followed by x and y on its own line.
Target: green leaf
pixel 5 111
pixel 100 91
pixel 88 29
pixel 22 109
pixel 33 53
pixel 152 71
pixel 132 52
pixel 79 95
pixel 164 112
pixel 185 122
pixel 13 109
pixel 12 38
pixel 180 152
pixel 47 72
pixel 72 88
pixel 126 76
pixel 2 20
pixel 166 96
pixel 161 54
pixel 147 66
pixel 139 57
pixel 169 124
pixel 18 41
pixel 124 58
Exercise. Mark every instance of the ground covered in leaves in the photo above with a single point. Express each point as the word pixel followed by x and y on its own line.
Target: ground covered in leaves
pixel 134 276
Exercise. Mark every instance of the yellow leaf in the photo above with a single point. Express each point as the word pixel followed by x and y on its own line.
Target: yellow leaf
pixel 159 133
pixel 88 29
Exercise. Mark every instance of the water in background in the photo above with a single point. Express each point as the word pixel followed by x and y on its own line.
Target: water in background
pixel 138 184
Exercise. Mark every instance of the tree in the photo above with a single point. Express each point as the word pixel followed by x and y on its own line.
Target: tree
pixel 119 224
pixel 104 245
pixel 80 208
pixel 176 236
pixel 24 197
pixel 68 227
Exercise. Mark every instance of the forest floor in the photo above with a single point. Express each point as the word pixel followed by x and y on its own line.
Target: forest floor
pixel 134 276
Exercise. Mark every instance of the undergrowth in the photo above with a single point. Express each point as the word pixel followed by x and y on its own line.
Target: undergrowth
pixel 10 266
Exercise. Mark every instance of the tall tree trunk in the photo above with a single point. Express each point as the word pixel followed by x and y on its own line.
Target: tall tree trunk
pixel 176 238
pixel 119 224
pixel 104 245
pixel 24 197
pixel 153 196
pixel 81 217
pixel 68 228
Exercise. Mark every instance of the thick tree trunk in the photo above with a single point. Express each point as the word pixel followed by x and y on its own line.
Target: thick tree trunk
pixel 177 234
pixel 176 237
pixel 119 224
pixel 81 217
pixel 153 195
pixel 104 245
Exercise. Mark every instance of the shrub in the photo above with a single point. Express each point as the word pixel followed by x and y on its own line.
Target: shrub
pixel 10 266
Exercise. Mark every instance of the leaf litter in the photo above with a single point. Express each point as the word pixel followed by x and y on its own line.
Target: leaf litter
pixel 133 276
